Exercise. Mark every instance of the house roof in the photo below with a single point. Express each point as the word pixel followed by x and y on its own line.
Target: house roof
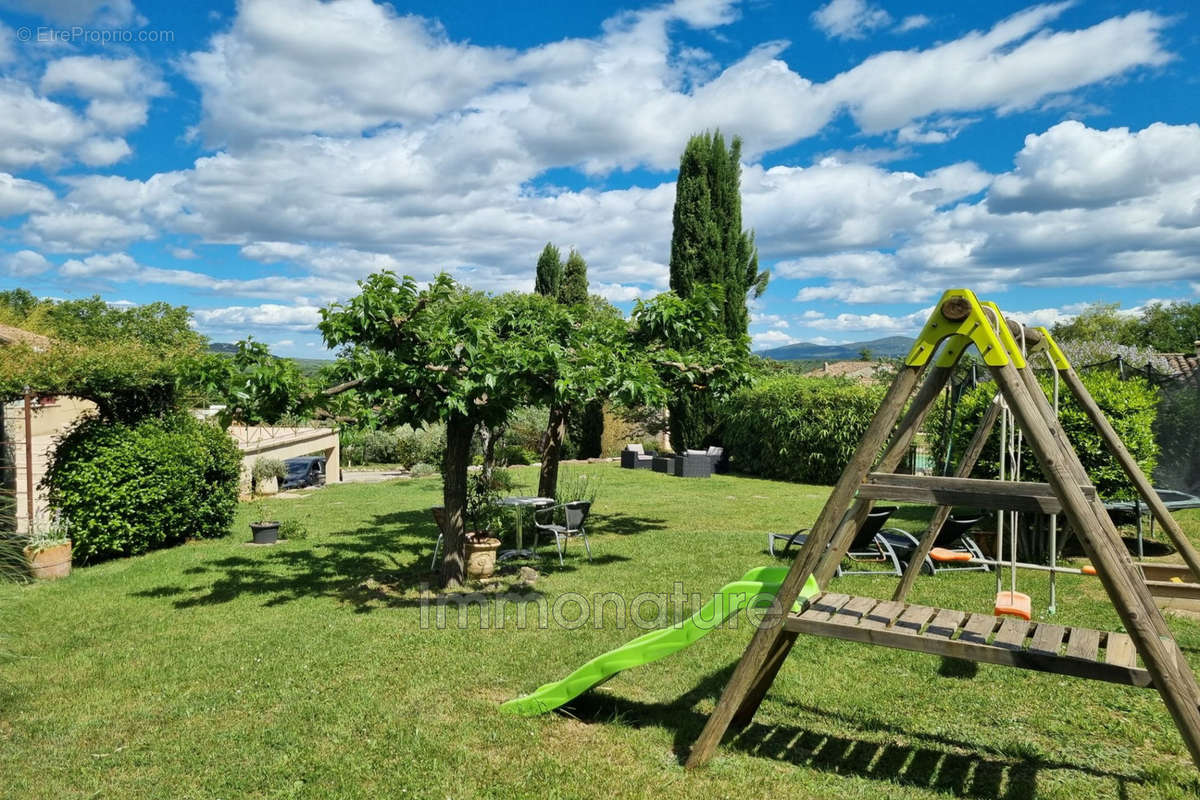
pixel 11 335
pixel 855 370
pixel 1185 365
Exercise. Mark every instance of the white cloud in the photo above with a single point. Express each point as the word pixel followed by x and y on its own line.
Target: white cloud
pixel 1074 166
pixel 78 12
pixel 23 263
pixel 182 253
pixel 119 89
pixel 7 50
pixel 1007 68
pixel 300 318
pixel 34 131
pixel 850 19
pixel 99 152
pixel 771 338
pixel 912 22
pixel 19 196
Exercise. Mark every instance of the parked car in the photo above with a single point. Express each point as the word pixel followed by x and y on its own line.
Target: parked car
pixel 306 471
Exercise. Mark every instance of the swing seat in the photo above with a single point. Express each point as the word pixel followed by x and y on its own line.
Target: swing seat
pixel 943 555
pixel 1013 604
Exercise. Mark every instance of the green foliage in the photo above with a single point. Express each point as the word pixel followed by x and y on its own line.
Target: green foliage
pixel 585 427
pixel 421 470
pixel 708 245
pixel 697 364
pixel 574 288
pixel 1130 405
pixel 126 489
pixel 157 325
pixel 799 429
pixel 577 486
pixel 254 386
pixel 47 533
pixel 267 468
pixel 128 381
pixel 549 272
pixel 404 445
pixel 1167 328
pixel 293 529
pixel 485 515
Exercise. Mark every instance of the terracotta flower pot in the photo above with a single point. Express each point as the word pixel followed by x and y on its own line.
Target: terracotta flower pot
pixel 481 557
pixel 51 563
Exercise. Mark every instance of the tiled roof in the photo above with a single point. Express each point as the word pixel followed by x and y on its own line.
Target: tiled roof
pixel 1185 365
pixel 11 335
pixel 856 370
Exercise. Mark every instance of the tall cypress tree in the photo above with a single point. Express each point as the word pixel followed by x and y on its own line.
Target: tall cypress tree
pixel 549 272
pixel 574 287
pixel 585 424
pixel 708 246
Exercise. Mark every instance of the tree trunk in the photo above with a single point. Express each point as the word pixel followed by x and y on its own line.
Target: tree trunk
pixel 488 437
pixel 552 451
pixel 459 431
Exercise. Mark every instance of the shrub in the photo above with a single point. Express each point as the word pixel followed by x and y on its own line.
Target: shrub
pixel 129 488
pixel 421 469
pixel 267 468
pixel 414 445
pixel 292 529
pixel 1130 405
pixel 798 429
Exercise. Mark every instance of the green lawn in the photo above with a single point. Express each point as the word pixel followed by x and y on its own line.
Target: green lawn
pixel 222 670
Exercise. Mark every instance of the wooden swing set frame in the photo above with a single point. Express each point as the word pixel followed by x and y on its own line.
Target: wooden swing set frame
pixel 960 320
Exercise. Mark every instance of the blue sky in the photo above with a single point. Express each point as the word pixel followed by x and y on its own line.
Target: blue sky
pixel 252 160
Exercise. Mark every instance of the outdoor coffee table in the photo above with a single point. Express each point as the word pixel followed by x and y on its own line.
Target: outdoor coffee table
pixel 519 503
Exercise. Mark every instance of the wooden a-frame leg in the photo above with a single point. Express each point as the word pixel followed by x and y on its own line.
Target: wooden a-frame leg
pixel 763 680
pixel 920 407
pixel 942 513
pixel 771 627
pixel 1113 566
pixel 1118 450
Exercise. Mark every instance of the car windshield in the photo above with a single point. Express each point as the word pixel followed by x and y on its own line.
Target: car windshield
pixel 297 467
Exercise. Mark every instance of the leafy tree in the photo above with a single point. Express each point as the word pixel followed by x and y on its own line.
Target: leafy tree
pixel 865 354
pixel 696 363
pixel 1169 328
pixel 254 386
pixel 709 248
pixel 549 272
pixel 158 325
pixel 16 305
pixel 1097 322
pixel 446 353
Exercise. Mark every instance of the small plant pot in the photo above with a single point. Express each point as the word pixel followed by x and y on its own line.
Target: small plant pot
pixel 481 557
pixel 265 532
pixel 51 563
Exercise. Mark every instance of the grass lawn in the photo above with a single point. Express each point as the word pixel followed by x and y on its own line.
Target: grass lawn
pixel 223 670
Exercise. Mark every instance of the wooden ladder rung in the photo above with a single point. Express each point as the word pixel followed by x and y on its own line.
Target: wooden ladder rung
pixel 956 634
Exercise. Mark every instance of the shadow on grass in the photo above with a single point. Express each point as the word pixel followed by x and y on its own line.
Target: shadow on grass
pixel 626 524
pixel 928 761
pixel 383 564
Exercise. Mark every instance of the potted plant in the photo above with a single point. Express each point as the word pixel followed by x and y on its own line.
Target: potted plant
pixel 267 473
pixel 264 531
pixel 484 517
pixel 48 549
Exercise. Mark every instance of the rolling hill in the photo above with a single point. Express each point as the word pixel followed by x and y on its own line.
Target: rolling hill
pixel 889 346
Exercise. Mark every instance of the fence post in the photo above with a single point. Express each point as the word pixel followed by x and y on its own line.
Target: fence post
pixel 29 460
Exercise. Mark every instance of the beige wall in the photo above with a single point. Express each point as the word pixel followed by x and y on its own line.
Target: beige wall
pixel 269 442
pixel 48 422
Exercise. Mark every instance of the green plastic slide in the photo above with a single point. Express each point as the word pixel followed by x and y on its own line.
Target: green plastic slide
pixel 756 588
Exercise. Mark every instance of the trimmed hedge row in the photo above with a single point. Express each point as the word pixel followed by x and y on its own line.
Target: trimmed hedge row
pixel 128 488
pixel 794 428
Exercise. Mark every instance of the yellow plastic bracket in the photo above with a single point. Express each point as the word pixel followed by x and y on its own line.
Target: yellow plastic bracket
pixel 1006 337
pixel 1051 347
pixel 975 326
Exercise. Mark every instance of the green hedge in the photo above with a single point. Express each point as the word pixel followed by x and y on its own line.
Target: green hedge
pixel 125 489
pixel 1130 405
pixel 794 428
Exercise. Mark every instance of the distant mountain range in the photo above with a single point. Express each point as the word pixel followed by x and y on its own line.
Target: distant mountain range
pixel 889 347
